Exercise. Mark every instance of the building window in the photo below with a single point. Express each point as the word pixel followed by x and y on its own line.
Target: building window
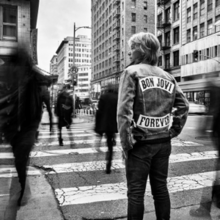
pixel 145 29
pixel 217 27
pixel 209 27
pixel 188 15
pixel 176 11
pixel 133 3
pixel 176 58
pixel 207 53
pixel 195 11
pixel 145 5
pixel 216 51
pixel 133 29
pixel 145 18
pixel 217 3
pixel 202 7
pixel 160 61
pixel 159 18
pixel 167 15
pixel 187 59
pixel 202 30
pixel 167 61
pixel 167 38
pixel 176 35
pixel 8 22
pixel 209 6
pixel 133 17
pixel 195 33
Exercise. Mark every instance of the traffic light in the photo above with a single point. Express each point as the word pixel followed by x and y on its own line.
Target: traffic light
pixel 195 55
pixel 75 79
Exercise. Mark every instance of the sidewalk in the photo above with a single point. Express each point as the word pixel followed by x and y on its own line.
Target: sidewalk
pixel 41 205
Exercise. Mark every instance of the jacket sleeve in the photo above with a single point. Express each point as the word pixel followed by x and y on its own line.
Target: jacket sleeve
pixel 181 105
pixel 127 88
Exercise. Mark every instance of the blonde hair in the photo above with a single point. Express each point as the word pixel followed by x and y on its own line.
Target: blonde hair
pixel 148 45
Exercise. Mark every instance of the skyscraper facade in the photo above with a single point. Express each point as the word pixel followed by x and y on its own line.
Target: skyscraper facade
pixel 190 44
pixel 65 56
pixel 113 23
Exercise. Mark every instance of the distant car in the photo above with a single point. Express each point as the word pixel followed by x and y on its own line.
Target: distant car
pixel 197 108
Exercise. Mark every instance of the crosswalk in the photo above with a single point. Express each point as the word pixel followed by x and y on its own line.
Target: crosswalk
pixel 76 171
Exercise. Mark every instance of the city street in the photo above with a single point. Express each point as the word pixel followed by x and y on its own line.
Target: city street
pixel 69 182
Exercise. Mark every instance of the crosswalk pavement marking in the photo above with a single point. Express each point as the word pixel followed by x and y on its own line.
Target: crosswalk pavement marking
pixel 118 191
pixel 49 153
pixel 101 165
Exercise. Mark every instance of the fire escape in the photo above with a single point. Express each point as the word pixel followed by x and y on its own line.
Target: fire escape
pixel 164 26
pixel 116 37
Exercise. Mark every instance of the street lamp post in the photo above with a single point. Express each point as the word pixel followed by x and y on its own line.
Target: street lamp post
pixel 74 69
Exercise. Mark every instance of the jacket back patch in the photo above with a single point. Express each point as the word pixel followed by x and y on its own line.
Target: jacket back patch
pixel 153 122
pixel 150 82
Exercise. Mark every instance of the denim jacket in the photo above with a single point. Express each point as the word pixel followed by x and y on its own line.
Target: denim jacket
pixel 147 96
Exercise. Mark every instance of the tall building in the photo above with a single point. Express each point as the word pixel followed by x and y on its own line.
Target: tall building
pixel 18 27
pixel 190 43
pixel 53 65
pixel 65 56
pixel 168 32
pixel 113 23
pixel 82 89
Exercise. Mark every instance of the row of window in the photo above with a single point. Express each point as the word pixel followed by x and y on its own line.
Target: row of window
pixel 207 53
pixel 202 9
pixel 167 14
pixel 193 35
pixel 133 17
pixel 83 74
pixel 81 60
pixel 80 55
pixel 79 45
pixel 166 42
pixel 167 63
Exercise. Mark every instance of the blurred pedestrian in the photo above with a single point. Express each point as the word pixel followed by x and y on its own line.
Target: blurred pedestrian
pixel 64 110
pixel 45 100
pixel 146 97
pixel 20 109
pixel 78 104
pixel 214 110
pixel 105 121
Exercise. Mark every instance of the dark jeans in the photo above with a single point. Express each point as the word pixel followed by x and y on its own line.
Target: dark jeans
pixel 110 142
pixel 143 160
pixel 22 145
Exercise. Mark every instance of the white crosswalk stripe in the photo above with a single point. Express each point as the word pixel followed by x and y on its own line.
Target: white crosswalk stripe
pixel 84 140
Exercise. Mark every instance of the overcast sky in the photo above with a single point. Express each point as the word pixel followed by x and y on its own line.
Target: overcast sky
pixel 55 22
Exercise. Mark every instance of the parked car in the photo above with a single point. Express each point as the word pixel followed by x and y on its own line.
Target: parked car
pixel 197 108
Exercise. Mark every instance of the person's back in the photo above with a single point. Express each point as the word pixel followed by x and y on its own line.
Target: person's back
pixel 106 122
pixel 107 109
pixel 147 95
pixel 64 109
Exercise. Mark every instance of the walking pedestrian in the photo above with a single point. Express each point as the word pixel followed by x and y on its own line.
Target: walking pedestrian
pixel 20 109
pixel 206 201
pixel 106 121
pixel 45 100
pixel 64 110
pixel 147 95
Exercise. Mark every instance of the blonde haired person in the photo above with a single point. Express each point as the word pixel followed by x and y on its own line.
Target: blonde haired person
pixel 147 95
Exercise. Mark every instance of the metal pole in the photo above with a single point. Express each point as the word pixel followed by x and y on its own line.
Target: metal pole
pixel 74 33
